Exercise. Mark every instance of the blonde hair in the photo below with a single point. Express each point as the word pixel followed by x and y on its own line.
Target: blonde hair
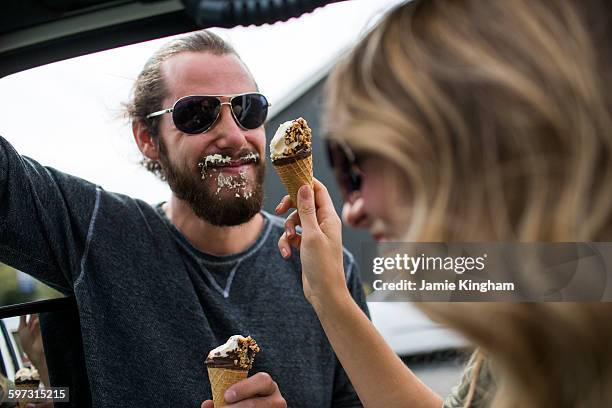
pixel 497 114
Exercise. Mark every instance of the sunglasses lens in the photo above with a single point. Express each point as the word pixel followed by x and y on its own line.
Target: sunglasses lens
pixel 195 114
pixel 250 110
pixel 344 167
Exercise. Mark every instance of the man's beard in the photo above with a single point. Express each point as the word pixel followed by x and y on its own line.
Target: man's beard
pixel 204 199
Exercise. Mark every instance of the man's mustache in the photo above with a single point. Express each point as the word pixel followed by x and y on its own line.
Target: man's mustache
pixel 228 160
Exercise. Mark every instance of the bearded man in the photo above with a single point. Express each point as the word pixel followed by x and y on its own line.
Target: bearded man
pixel 159 286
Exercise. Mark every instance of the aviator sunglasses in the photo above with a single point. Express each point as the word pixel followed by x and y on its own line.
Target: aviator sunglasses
pixel 195 114
pixel 344 162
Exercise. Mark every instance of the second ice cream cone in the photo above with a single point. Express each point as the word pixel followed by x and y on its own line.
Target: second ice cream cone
pixel 221 379
pixel 26 379
pixel 230 363
pixel 24 402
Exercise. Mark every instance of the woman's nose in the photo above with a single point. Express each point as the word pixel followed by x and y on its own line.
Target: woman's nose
pixel 353 212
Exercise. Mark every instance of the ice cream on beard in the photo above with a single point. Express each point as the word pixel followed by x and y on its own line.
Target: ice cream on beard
pixel 291 154
pixel 212 166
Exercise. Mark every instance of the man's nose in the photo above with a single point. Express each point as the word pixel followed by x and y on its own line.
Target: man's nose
pixel 229 135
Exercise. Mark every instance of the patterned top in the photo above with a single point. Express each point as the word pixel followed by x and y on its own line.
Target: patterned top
pixel 485 385
pixel 3 388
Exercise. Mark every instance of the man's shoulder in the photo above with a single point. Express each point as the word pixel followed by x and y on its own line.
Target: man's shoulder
pixel 277 225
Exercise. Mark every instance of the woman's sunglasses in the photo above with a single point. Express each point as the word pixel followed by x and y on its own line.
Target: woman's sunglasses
pixel 198 113
pixel 345 164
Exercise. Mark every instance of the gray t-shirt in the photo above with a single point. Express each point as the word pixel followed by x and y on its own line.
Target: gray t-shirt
pixel 151 306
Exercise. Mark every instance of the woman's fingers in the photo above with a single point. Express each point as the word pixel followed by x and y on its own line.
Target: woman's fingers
pixel 315 214
pixel 322 198
pixel 284 205
pixel 291 223
pixel 322 201
pixel 290 238
pixel 285 243
pixel 307 209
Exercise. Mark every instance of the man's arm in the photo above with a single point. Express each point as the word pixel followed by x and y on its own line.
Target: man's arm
pixel 44 217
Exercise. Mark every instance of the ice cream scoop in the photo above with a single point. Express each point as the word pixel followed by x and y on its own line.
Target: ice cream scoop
pixel 26 374
pixel 238 352
pixel 26 379
pixel 291 138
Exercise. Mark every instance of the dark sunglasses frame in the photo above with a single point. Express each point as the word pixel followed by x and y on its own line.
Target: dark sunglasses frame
pixel 206 128
pixel 345 164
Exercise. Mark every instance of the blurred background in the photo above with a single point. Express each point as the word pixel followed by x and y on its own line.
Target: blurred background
pixel 17 287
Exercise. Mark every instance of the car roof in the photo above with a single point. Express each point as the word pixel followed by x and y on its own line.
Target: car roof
pixel 38 32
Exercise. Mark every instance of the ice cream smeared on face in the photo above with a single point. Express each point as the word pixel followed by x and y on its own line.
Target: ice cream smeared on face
pixel 238 183
pixel 213 160
pixel 212 166
pixel 238 352
pixel 291 138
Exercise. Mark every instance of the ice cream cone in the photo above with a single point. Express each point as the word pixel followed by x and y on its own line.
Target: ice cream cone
pixel 291 154
pixel 26 378
pixel 294 173
pixel 230 363
pixel 221 379
pixel 30 385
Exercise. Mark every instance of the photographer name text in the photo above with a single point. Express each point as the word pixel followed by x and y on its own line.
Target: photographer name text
pixel 467 285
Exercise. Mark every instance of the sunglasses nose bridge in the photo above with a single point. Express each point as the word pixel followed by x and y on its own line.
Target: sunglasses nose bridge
pixel 230 131
pixel 229 106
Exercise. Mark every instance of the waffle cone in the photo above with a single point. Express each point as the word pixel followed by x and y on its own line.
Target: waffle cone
pixel 221 379
pixel 26 386
pixel 294 175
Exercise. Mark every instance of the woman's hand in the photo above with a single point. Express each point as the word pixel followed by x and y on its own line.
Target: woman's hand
pixel 320 243
pixel 379 376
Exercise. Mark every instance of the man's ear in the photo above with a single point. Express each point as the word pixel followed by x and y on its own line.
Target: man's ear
pixel 146 143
